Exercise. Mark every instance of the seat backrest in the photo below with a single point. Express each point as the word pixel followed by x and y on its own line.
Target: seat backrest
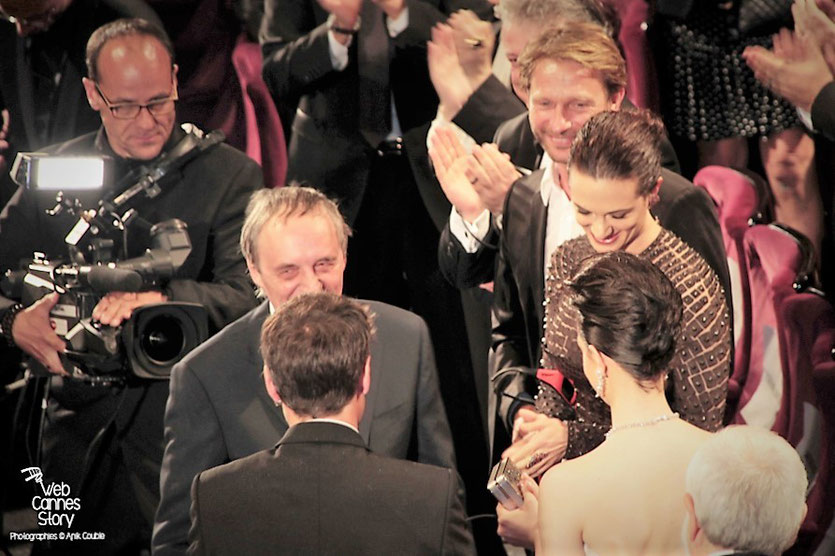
pixel 773 258
pixel 264 135
pixel 818 527
pixel 737 200
pixel 642 83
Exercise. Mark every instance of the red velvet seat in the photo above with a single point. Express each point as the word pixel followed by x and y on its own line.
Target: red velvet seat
pixel 642 83
pixel 739 199
pixel 774 259
pixel 264 135
pixel 809 321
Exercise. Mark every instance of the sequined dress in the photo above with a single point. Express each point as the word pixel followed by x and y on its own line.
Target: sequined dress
pixel 698 374
pixel 709 91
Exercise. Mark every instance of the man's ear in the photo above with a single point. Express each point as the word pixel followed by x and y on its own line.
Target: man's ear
pixel 694 529
pixel 366 376
pixel 270 385
pixel 254 274
pixel 617 99
pixel 93 98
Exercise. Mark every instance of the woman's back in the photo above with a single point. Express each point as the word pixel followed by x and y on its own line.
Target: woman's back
pixel 626 496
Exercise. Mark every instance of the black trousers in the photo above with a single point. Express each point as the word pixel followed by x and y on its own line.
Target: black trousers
pixel 392 257
pixel 106 444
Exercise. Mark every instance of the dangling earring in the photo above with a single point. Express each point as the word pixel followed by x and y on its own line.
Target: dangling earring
pixel 601 383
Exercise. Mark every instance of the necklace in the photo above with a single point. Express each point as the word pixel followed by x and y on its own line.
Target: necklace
pixel 640 424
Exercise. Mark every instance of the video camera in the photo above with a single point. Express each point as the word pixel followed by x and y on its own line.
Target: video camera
pixel 156 336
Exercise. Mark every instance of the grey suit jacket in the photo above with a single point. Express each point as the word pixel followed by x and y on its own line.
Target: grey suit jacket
pixel 219 411
pixel 321 491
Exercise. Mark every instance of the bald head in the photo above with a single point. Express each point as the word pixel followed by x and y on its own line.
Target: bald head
pixel 150 39
pixel 132 84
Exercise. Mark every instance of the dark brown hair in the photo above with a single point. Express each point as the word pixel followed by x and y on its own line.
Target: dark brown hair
pixel 630 311
pixel 315 347
pixel 620 145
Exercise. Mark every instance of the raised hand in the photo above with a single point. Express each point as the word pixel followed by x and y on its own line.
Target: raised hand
pixel 450 160
pixel 345 11
pixel 795 69
pixel 445 71
pixel 492 174
pixel 812 23
pixel 474 42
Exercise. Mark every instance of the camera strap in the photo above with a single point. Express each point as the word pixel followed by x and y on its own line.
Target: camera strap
pixel 151 179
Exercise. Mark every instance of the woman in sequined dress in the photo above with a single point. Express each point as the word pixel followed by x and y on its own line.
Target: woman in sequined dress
pixel 613 177
pixel 711 98
pixel 629 318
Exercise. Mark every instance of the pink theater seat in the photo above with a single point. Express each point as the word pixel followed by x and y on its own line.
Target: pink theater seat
pixel 739 199
pixel 774 257
pixel 810 320
pixel 264 135
pixel 642 84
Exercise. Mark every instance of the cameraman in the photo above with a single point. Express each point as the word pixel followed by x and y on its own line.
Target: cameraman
pixel 109 438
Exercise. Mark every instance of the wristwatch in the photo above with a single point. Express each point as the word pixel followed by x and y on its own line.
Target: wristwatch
pixel 342 30
pixel 6 322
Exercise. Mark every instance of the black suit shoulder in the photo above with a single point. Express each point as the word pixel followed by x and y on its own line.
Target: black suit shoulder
pixel 330 495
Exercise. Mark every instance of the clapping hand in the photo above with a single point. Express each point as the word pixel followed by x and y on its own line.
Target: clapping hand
pixel 492 174
pixel 795 69
pixel 446 72
pixel 450 160
pixel 474 42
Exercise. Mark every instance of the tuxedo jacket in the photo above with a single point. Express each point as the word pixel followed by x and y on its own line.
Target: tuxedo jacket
pixel 326 149
pixel 321 491
pixel 219 410
pixel 519 284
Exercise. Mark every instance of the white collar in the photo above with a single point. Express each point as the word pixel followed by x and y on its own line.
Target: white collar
pixel 334 421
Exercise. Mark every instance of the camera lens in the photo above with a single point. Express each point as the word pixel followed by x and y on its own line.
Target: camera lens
pixel 162 339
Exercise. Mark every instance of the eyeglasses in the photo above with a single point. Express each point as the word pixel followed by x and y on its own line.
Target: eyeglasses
pixel 130 110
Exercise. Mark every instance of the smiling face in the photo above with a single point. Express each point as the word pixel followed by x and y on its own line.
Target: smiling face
pixel 563 96
pixel 134 69
pixel 611 212
pixel 296 255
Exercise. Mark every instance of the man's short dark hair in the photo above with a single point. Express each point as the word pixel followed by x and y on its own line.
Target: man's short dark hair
pixel 122 28
pixel 620 145
pixel 315 346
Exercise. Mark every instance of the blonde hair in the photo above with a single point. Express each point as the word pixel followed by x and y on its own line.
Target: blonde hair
pixel 584 43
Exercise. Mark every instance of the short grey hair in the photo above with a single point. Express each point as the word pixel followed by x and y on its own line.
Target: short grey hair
pixel 749 490
pixel 548 12
pixel 284 202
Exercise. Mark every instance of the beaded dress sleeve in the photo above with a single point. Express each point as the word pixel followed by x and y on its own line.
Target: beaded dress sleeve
pixel 698 373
